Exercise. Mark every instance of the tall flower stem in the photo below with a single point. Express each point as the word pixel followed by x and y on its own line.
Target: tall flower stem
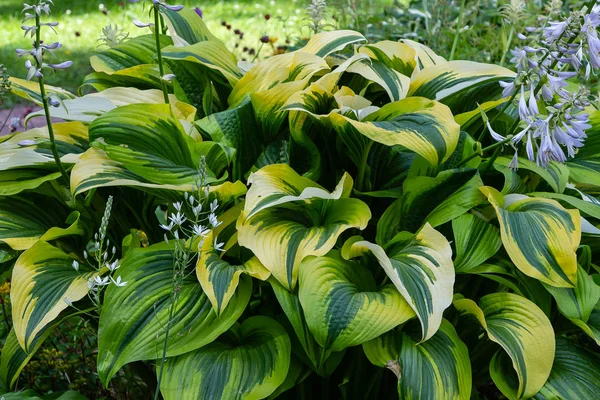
pixel 161 67
pixel 508 43
pixel 485 149
pixel 53 148
pixel 457 33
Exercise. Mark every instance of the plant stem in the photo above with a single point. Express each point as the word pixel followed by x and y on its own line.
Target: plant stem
pixel 363 166
pixel 425 9
pixel 457 33
pixel 506 105
pixel 164 352
pixel 508 43
pixel 46 108
pixel 490 162
pixel 161 68
pixel 8 117
pixel 490 147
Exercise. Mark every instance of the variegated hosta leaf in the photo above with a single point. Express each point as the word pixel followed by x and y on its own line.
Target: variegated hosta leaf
pixel 578 303
pixel 436 369
pixel 523 331
pixel 212 54
pixel 424 57
pixel 288 67
pixel 220 279
pixel 420 266
pixel 32 148
pixel 423 126
pixel 326 43
pixel 248 362
pixel 555 174
pixel 15 181
pixel 394 83
pixel 131 53
pixel 30 90
pixel 540 237
pixel 281 237
pixel 575 373
pixel 87 108
pixel 398 56
pixel 588 205
pixel 476 242
pixel 139 145
pixel 134 317
pixel 130 61
pixel 585 173
pixel 319 359
pixel 24 219
pixel 278 184
pixel 42 278
pixel 186 27
pixel 460 84
pixel 439 199
pixel 342 304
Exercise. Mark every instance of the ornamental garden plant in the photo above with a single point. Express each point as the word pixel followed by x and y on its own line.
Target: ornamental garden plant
pixel 353 219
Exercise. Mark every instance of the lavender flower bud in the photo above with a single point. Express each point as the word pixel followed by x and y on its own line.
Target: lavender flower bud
pixel 141 24
pixel 62 65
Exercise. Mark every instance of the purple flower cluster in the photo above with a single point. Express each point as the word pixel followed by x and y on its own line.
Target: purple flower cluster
pixel 34 69
pixel 552 122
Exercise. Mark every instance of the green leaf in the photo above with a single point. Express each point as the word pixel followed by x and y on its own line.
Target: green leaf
pixel 398 56
pixel 342 304
pixel 440 199
pixel 394 83
pixel 578 303
pixel 476 242
pixel 585 172
pixel 213 55
pixel 236 128
pixel 276 70
pixel 31 149
pixel 279 184
pixel 575 373
pixel 420 266
pixel 133 319
pixel 314 355
pixel 436 369
pixel 30 90
pixel 139 145
pixel 325 43
pixel 131 53
pixel 248 362
pixel 540 237
pixel 525 334
pixel 24 219
pixel 186 27
pixel 220 279
pixel 555 174
pixel 423 126
pixel 460 84
pixel 15 181
pixel 42 278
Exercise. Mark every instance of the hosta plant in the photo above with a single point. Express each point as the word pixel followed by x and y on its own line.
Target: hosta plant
pixel 326 223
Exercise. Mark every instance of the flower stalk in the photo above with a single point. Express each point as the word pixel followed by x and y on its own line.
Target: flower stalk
pixel 161 67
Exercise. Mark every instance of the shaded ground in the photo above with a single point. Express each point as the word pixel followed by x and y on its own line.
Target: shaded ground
pixel 20 111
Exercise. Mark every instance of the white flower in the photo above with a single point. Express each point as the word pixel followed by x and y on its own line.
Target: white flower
pixel 197 210
pixel 177 219
pixel 112 267
pixel 214 205
pixel 218 246
pixel 212 218
pixel 177 206
pixel 75 265
pixel 118 282
pixel 68 302
pixel 200 230
pixel 99 281
pixel 167 227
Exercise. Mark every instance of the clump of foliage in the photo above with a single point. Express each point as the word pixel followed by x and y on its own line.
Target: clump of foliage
pixel 295 227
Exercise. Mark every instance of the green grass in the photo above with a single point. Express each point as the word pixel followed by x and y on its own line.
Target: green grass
pixel 81 21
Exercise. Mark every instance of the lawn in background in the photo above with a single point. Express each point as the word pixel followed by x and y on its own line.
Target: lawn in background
pixel 81 22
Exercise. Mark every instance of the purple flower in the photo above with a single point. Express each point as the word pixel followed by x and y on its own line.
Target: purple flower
pixel 556 30
pixel 62 65
pixel 198 11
